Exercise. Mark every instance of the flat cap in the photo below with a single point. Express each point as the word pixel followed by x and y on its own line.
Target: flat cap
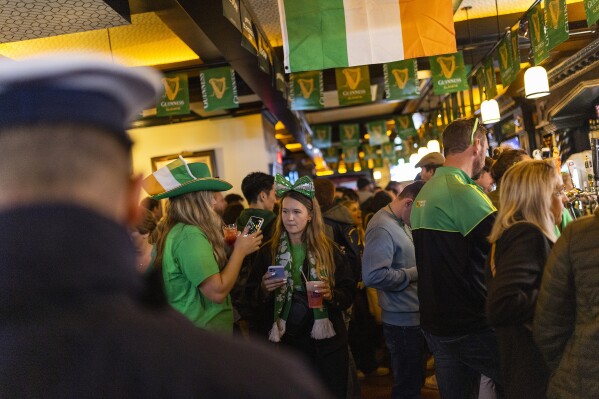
pixel 432 158
pixel 90 90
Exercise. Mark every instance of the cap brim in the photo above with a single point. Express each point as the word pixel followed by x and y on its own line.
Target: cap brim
pixel 203 184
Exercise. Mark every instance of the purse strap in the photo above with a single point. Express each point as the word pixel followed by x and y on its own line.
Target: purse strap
pixel 492 262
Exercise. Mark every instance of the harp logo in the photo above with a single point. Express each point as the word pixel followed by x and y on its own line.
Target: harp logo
pixel 404 122
pixel 554 13
pixel 322 134
pixel 368 150
pixel 352 77
pixel 503 54
pixel 490 75
pixel 171 87
pixel 447 65
pixel 536 24
pixel 401 77
pixel 350 153
pixel 348 132
pixel 306 87
pixel 219 86
pixel 387 150
pixel 376 131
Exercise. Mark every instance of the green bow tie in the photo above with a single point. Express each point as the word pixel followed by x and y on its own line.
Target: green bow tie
pixel 303 185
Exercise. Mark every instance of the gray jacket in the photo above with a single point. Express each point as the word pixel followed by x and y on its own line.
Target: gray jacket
pixel 566 324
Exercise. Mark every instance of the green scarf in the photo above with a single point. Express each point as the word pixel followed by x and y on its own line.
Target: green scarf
pixel 322 328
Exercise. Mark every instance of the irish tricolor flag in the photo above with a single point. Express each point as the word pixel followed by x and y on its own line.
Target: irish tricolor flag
pixel 321 34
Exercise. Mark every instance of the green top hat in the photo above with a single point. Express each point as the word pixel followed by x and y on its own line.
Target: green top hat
pixel 179 177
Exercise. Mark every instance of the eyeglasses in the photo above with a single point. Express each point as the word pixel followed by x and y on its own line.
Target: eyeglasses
pixel 560 191
pixel 473 131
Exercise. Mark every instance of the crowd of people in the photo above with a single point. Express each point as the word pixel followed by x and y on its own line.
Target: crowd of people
pixel 105 296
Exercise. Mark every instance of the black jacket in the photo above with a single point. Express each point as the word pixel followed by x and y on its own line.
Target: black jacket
pixel 72 324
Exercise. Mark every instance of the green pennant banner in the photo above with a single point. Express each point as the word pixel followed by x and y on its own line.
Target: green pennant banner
pixel 378 162
pixel 536 33
pixel 248 35
pixel 330 155
pixel 322 136
pixel 378 132
pixel 481 81
pixel 449 73
pixel 219 88
pixel 264 55
pixel 349 134
pixel 175 100
pixel 388 151
pixel 505 58
pixel 401 80
pixel 364 164
pixel 353 85
pixel 404 126
pixel 369 152
pixel 591 8
pixel 232 13
pixel 306 90
pixel 515 51
pixel 556 22
pixel 350 154
pixel 491 83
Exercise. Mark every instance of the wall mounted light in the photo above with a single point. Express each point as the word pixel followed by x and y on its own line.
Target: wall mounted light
pixel 489 111
pixel 536 83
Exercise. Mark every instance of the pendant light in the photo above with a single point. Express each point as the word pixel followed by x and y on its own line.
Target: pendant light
pixel 433 146
pixel 489 111
pixel 536 83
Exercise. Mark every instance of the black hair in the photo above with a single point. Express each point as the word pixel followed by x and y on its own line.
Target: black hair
pixel 255 183
pixel 412 190
pixel 233 198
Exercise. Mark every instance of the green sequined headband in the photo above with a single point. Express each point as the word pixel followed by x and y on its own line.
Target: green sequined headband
pixel 303 185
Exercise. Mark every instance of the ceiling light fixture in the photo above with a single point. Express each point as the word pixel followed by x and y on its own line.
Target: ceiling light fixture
pixel 433 146
pixel 536 83
pixel 489 111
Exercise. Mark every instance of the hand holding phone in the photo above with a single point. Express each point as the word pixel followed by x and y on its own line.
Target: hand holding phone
pixel 279 272
pixel 254 223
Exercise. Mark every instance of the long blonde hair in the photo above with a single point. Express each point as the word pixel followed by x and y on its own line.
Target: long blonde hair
pixel 317 243
pixel 194 209
pixel 525 195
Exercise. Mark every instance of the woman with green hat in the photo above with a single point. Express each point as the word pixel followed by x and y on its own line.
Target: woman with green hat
pixel 280 290
pixel 190 247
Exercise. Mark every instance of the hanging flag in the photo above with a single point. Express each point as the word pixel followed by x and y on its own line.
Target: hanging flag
pixel 231 12
pixel 591 8
pixel 340 33
pixel 322 136
pixel 401 80
pixel 404 126
pixel 306 90
pixel 449 73
pixel 330 155
pixel 248 35
pixel 353 85
pixel 556 22
pixel 537 33
pixel 264 55
pixel 369 151
pixel 387 150
pixel 175 100
pixel 481 81
pixel 350 154
pixel 364 164
pixel 505 58
pixel 219 88
pixel 491 82
pixel 378 132
pixel 516 50
pixel 349 134
pixel 378 162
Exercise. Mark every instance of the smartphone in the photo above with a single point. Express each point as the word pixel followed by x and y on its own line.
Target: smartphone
pixel 253 225
pixel 279 271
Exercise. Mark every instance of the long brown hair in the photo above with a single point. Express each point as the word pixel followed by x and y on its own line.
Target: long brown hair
pixel 194 209
pixel 317 243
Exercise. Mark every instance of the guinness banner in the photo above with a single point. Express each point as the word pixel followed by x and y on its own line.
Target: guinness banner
pixel 592 10
pixel 353 85
pixel 248 35
pixel 330 155
pixel 515 50
pixel 231 12
pixel 404 126
pixel 536 33
pixel 219 88
pixel 505 57
pixel 322 136
pixel 401 80
pixel 556 22
pixel 264 55
pixel 481 82
pixel 449 73
pixel 369 152
pixel 306 90
pixel 349 134
pixel 491 83
pixel 175 100
pixel 378 132
pixel 350 155
pixel 388 151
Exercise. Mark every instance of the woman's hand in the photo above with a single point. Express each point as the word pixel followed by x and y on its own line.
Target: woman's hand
pixel 271 283
pixel 324 288
pixel 248 244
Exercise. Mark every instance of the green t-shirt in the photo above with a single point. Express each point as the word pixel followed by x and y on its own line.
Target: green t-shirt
pixel 188 260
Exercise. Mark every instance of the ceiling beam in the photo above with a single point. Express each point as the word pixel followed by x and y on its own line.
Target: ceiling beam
pixel 208 15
